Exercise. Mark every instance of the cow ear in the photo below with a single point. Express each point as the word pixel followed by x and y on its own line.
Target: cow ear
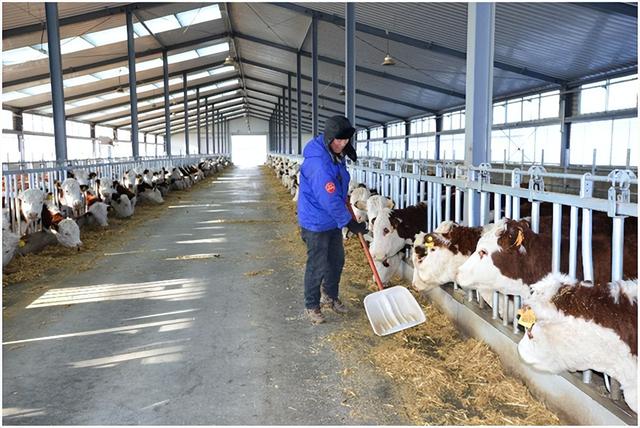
pixel 92 175
pixel 390 204
pixel 361 205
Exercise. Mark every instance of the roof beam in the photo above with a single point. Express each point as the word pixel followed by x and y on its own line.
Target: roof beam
pixel 112 61
pixel 150 97
pixel 97 14
pixel 193 119
pixel 160 115
pixel 155 37
pixel 191 98
pixel 358 91
pixel 361 69
pixel 125 85
pixel 625 9
pixel 325 98
pixel 322 107
pixel 416 43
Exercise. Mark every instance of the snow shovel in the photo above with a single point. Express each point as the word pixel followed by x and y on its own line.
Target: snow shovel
pixel 392 309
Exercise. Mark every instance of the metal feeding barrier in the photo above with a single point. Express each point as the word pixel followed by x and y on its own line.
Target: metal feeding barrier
pixel 45 178
pixel 472 185
pixel 452 191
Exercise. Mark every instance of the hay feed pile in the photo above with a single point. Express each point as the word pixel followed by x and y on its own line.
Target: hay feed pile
pixel 438 376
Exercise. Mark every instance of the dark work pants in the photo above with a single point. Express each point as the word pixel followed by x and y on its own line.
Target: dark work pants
pixel 325 259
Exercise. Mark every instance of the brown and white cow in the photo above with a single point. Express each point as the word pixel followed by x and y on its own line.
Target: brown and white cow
pixel 515 257
pixel 581 326
pixel 438 255
pixel 393 229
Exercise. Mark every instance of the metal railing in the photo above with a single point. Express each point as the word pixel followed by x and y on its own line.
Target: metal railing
pixel 45 178
pixel 434 183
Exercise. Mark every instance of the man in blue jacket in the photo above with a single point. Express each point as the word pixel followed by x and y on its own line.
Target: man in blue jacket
pixel 323 212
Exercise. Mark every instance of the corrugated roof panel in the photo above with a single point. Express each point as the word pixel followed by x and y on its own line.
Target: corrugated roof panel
pixel 564 40
pixel 441 23
pixel 21 14
pixel 270 23
pixel 424 67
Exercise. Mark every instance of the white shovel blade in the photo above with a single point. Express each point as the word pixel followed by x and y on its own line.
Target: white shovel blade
pixel 392 310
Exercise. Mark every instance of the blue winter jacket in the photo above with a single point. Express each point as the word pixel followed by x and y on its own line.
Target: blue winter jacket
pixel 324 183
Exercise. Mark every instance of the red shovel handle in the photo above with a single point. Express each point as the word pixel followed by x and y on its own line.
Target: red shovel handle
pixel 366 252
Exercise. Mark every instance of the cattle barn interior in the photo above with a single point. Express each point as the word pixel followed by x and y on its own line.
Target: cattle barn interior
pixel 152 259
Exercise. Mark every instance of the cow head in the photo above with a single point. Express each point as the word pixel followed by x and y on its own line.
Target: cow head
pixel 70 193
pixel 358 200
pixel 386 241
pixel 558 343
pixel 373 206
pixel 31 203
pixel 129 179
pixel 67 233
pixel 479 269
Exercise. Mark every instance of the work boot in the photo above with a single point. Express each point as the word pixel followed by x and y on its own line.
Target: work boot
pixel 315 315
pixel 325 300
pixel 338 306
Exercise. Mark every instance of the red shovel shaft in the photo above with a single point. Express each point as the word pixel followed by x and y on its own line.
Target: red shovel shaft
pixel 367 253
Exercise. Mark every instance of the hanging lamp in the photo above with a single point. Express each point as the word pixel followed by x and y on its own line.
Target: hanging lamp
pixel 388 59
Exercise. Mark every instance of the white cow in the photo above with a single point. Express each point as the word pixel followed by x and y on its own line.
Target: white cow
pixel 572 330
pixel 67 233
pixel 10 240
pixel 31 201
pixel 373 205
pixel 97 213
pixel 105 188
pixel 123 207
pixel 71 195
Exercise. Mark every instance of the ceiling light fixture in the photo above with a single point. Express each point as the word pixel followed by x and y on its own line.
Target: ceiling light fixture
pixel 229 60
pixel 388 59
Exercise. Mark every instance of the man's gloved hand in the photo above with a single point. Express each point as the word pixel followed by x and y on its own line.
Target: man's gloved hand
pixel 355 227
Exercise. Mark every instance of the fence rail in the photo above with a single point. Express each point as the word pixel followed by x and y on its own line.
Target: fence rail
pixel 45 177
pixel 471 189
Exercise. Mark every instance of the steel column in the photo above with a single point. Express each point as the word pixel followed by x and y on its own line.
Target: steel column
pixel 133 95
pixel 289 117
pixel 57 89
pixel 198 118
pixel 186 113
pixel 480 47
pixel 284 120
pixel 314 76
pixel 299 101
pixel 206 123
pixel 167 111
pixel 350 63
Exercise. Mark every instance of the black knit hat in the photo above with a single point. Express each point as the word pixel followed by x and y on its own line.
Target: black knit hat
pixel 338 127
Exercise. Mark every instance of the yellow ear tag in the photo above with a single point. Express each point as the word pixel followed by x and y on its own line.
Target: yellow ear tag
pixel 519 238
pixel 21 243
pixel 527 317
pixel 429 242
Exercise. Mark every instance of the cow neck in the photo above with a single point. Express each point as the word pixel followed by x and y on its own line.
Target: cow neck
pixel 597 305
pixel 463 239
pixel 530 267
pixel 409 221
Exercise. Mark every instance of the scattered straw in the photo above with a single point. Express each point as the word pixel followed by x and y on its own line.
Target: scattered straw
pixel 95 240
pixel 259 272
pixel 437 377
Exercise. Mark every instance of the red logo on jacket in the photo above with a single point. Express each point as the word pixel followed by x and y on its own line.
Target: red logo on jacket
pixel 330 187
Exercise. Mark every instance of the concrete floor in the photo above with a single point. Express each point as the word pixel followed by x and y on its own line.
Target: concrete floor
pixel 145 338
